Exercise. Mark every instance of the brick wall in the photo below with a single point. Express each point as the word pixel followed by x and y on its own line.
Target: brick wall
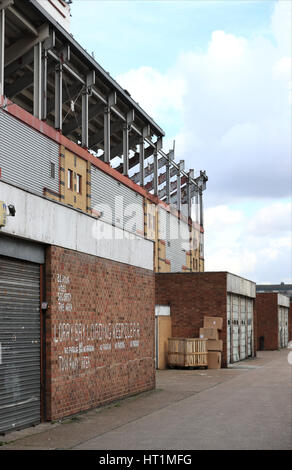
pixel 267 320
pixel 191 297
pixel 99 331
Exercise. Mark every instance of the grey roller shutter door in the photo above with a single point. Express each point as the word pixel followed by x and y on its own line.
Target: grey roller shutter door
pixel 19 344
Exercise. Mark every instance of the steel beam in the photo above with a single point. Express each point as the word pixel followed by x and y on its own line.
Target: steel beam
pixel 2 49
pixel 66 96
pixel 37 81
pixel 111 101
pixel 126 131
pixel 146 131
pixel 19 85
pixel 158 146
pixel 26 59
pixel 87 91
pixel 98 138
pixel 58 96
pixel 21 47
pixel 178 202
pixel 201 208
pixel 24 21
pixel 189 196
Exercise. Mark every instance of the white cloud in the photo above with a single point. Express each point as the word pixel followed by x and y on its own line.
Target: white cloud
pixel 256 247
pixel 232 103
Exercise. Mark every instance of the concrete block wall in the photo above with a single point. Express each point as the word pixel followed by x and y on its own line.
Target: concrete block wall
pixel 99 331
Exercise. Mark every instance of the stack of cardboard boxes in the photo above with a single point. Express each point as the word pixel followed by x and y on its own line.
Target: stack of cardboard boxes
pixel 210 331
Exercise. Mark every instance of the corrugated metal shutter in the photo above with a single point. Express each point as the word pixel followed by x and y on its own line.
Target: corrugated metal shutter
pixel 19 344
pixel 283 326
pixel 286 335
pixel 250 326
pixel 121 206
pixel 242 327
pixel 25 156
pixel 162 216
pixel 235 327
pixel 176 242
pixel 228 328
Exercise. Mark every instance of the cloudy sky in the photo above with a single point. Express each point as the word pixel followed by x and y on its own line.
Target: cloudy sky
pixel 216 76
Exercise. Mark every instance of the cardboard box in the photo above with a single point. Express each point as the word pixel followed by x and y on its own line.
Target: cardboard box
pixel 213 322
pixel 215 345
pixel 214 360
pixel 209 333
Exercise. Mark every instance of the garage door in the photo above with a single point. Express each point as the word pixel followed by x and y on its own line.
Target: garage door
pixel 283 326
pixel 239 327
pixel 19 344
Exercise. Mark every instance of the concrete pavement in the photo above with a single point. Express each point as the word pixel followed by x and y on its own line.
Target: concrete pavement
pixel 248 406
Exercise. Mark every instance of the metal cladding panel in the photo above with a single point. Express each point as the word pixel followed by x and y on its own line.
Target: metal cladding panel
pixel 240 327
pixel 250 314
pixel 228 328
pixel 283 326
pixel 235 327
pixel 177 242
pixel 162 217
pixel 120 206
pixel 283 300
pixel 19 344
pixel 242 323
pixel 26 156
pixel 241 286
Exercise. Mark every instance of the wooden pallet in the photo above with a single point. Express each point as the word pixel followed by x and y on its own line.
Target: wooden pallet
pixel 187 352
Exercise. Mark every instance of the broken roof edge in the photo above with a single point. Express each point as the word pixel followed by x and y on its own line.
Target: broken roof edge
pixel 105 75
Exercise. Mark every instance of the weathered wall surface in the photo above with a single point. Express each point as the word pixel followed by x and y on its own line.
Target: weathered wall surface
pixel 39 219
pixel 99 331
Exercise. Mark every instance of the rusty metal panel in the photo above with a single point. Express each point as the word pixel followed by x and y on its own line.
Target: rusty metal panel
pixel 26 156
pixel 19 344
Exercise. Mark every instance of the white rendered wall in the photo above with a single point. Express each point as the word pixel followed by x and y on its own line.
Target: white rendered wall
pixel 44 221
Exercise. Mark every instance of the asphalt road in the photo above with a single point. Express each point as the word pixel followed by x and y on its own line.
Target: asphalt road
pixel 245 407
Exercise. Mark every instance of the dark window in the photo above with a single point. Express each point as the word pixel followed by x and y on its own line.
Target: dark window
pixel 52 170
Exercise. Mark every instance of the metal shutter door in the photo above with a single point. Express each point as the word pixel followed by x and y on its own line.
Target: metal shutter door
pixel 228 328
pixel 235 329
pixel 242 322
pixel 286 328
pixel 250 326
pixel 19 344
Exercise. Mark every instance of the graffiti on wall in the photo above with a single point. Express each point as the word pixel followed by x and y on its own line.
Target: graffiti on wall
pixel 80 340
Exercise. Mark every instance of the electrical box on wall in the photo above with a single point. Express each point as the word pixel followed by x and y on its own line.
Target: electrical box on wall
pixel 3 214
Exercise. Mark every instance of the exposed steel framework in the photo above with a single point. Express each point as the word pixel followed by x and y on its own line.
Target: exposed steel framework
pixel 48 74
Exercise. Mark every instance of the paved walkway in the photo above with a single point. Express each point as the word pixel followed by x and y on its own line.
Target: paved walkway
pixel 248 406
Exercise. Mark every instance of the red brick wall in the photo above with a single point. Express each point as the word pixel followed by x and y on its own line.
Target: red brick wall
pixel 96 304
pixel 191 297
pixel 267 320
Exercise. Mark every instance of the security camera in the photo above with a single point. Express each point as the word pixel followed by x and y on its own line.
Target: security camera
pixel 12 210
